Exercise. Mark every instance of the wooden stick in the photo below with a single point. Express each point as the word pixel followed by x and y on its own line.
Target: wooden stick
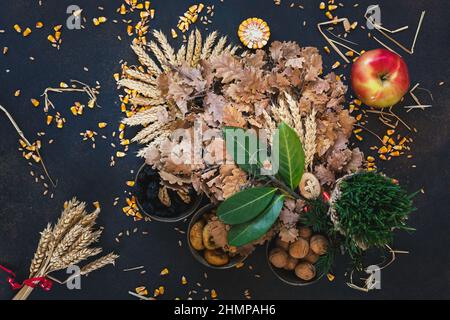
pixel 22 136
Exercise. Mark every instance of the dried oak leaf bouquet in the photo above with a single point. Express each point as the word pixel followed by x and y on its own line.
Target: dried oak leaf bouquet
pixel 68 243
pixel 207 84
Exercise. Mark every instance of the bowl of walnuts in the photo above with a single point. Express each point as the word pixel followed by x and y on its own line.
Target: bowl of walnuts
pixel 207 239
pixel 296 263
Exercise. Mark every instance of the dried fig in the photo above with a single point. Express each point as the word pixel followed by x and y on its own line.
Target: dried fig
pixel 207 238
pixel 216 257
pixel 196 235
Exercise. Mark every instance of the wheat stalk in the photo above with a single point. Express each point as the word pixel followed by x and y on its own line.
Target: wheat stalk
pixel 145 59
pixel 219 46
pixel 166 47
pixel 159 54
pixel 141 76
pixel 67 243
pixel 99 263
pixel 144 117
pixel 310 139
pixel 142 88
pixel 42 250
pixel 71 236
pixel 71 215
pixel 190 48
pixel 148 133
pixel 208 46
pixel 181 55
pixel 296 116
pixel 198 48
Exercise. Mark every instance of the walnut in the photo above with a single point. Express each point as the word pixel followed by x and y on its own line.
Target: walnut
pixel 319 244
pixel 311 257
pixel 282 244
pixel 309 186
pixel 291 264
pixel 305 232
pixel 299 249
pixel 278 258
pixel 305 271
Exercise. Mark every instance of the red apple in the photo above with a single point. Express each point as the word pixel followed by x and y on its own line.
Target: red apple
pixel 380 78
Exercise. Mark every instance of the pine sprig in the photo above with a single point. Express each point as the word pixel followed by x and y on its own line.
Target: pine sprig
pixel 370 207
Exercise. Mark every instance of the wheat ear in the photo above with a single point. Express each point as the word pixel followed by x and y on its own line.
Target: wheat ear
pixel 42 250
pixel 198 48
pixel 166 47
pixel 310 139
pixel 190 48
pixel 145 59
pixel 208 46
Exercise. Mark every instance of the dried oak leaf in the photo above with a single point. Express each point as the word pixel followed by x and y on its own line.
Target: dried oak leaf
pixel 218 231
pixel 288 234
pixel 289 217
pixel 325 176
pixel 227 67
pixel 251 87
pixel 163 196
pixel 338 159
pixel 192 77
pixel 232 183
pixel 180 94
pixel 233 117
pixel 347 122
pixel 256 60
pixel 355 162
pixel 295 63
pixel 215 152
pixel 173 179
pixel 214 105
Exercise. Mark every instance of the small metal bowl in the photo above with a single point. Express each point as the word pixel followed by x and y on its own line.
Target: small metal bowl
pixel 198 254
pixel 183 214
pixel 287 276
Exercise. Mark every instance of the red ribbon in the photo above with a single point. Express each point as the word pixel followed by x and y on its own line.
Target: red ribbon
pixel 42 282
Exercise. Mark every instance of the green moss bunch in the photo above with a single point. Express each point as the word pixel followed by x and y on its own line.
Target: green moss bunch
pixel 370 207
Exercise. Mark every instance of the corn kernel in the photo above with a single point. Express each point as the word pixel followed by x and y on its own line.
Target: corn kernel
pixel 336 65
pixel 27 32
pixel 17 28
pixel 51 39
pixel 322 6
pixel 102 125
pixel 35 102
pixel 130 183
pixel 164 272
pixel 213 294
pixel 183 280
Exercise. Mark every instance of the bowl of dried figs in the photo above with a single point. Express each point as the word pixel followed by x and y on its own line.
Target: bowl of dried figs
pixel 162 201
pixel 298 263
pixel 207 238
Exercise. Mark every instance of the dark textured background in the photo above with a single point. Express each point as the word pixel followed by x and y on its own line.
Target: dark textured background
pixel 84 172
